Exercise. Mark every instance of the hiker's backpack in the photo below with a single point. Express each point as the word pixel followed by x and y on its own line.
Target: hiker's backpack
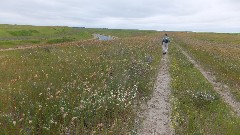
pixel 165 40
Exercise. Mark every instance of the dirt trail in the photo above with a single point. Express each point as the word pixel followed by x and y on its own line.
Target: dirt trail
pixel 59 44
pixel 222 89
pixel 46 45
pixel 157 111
pixel 19 48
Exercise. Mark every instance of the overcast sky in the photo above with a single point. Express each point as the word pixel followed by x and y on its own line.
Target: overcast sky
pixel 176 15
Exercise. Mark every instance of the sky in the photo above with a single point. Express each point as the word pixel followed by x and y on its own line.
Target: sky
pixel 169 15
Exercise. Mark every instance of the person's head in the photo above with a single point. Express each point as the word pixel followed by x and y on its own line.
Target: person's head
pixel 165 34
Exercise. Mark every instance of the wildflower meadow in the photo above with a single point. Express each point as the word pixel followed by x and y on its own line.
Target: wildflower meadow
pixel 61 80
pixel 91 87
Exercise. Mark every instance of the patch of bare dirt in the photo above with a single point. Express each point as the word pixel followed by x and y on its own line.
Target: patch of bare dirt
pixel 156 113
pixel 47 45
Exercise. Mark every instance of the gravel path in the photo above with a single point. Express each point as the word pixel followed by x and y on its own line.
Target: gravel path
pixel 222 89
pixel 157 112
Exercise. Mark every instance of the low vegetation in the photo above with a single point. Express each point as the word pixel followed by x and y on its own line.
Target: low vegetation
pixel 23 32
pixel 89 88
pixel 197 108
pixel 95 87
pixel 18 35
pixel 218 54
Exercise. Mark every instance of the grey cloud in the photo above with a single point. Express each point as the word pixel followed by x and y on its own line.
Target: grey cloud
pixel 204 15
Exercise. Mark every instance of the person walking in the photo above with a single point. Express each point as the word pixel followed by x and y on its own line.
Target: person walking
pixel 165 43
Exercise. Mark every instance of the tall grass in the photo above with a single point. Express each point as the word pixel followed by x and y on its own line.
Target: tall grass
pixel 197 108
pixel 91 88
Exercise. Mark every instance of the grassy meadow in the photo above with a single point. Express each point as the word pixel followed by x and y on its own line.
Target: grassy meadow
pixel 196 108
pixel 19 35
pixel 217 53
pixel 90 87
pixel 96 87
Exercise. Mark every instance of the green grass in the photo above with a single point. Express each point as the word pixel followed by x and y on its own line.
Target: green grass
pixel 223 60
pixel 96 87
pixel 92 88
pixel 19 35
pixel 17 43
pixel 23 32
pixel 15 35
pixel 60 40
pixel 221 38
pixel 123 33
pixel 197 109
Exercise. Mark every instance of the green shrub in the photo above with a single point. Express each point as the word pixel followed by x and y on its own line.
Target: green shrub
pixel 60 40
pixel 23 32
